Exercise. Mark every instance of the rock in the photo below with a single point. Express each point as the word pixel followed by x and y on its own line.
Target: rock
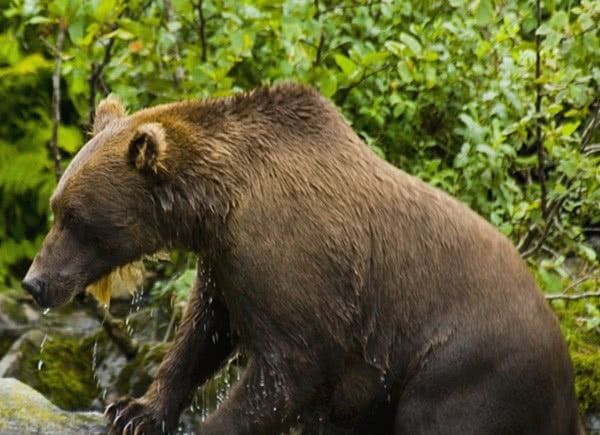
pixel 138 373
pixel 13 320
pixel 592 424
pixel 59 366
pixel 19 315
pixel 24 410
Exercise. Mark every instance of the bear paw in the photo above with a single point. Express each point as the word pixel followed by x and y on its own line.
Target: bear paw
pixel 129 416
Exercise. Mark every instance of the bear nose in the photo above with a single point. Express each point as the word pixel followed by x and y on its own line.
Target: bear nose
pixel 35 288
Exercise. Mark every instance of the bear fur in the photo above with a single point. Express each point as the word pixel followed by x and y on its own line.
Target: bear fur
pixel 366 301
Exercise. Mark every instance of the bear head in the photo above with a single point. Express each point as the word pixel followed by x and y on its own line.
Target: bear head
pixel 104 213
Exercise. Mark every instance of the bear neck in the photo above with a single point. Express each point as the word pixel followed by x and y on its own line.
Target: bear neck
pixel 219 149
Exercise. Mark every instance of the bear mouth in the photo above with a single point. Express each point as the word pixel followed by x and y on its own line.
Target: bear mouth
pixel 126 279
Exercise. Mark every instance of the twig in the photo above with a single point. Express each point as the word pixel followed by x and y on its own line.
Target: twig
pixel 95 76
pixel 179 71
pixel 525 239
pixel 555 206
pixel 321 36
pixel 590 128
pixel 538 109
pixel 114 330
pixel 573 297
pixel 578 282
pixel 201 30
pixel 60 40
pixel 168 10
pixel 171 325
pixel 549 220
pixel 342 93
pixel 591 149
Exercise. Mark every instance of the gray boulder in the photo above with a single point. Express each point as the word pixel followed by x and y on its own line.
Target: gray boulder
pixel 25 411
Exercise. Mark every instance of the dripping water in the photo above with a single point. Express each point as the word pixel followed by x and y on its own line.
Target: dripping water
pixel 40 363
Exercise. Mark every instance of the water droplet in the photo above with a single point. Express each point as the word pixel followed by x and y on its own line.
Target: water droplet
pixel 94 356
pixel 43 342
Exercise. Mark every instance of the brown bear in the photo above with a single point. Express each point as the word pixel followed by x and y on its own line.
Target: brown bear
pixel 366 301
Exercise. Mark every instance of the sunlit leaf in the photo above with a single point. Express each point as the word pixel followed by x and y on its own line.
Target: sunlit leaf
pixel 347 66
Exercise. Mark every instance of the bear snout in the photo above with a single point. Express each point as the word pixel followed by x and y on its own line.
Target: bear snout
pixel 37 288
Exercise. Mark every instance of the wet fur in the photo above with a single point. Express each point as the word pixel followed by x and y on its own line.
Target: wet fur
pixel 366 300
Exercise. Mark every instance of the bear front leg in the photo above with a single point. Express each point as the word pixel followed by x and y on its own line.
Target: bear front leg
pixel 194 356
pixel 266 400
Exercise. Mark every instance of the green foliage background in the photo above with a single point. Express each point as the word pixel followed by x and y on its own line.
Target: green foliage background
pixel 446 90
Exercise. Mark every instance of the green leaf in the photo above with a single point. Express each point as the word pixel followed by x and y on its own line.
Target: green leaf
pixel 347 66
pixel 104 9
pixel 404 72
pixel 412 44
pixel 484 12
pixel 430 76
pixel 587 252
pixel 69 138
pixel 549 281
pixel 77 29
pixel 394 47
pixel 486 149
pixel 569 128
pixel 120 34
pixel 328 85
pixel 374 57
pixel 39 20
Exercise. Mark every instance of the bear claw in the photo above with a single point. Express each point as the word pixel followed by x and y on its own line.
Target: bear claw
pixel 109 409
pixel 130 416
pixel 129 428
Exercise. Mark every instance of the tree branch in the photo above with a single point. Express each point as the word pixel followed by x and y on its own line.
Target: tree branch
pixel 590 128
pixel 95 77
pixel 201 29
pixel 114 329
pixel 549 220
pixel 342 93
pixel 538 108
pixel 179 71
pixel 573 297
pixel 321 36
pixel 554 207
pixel 60 40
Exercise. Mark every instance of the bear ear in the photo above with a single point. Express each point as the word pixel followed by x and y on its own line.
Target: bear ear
pixel 148 147
pixel 107 111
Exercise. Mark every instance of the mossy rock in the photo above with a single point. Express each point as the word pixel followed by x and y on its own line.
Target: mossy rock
pixel 12 321
pixel 12 309
pixel 62 370
pixel 25 411
pixel 584 346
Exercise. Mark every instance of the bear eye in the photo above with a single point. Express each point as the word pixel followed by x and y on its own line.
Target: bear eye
pixel 68 219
